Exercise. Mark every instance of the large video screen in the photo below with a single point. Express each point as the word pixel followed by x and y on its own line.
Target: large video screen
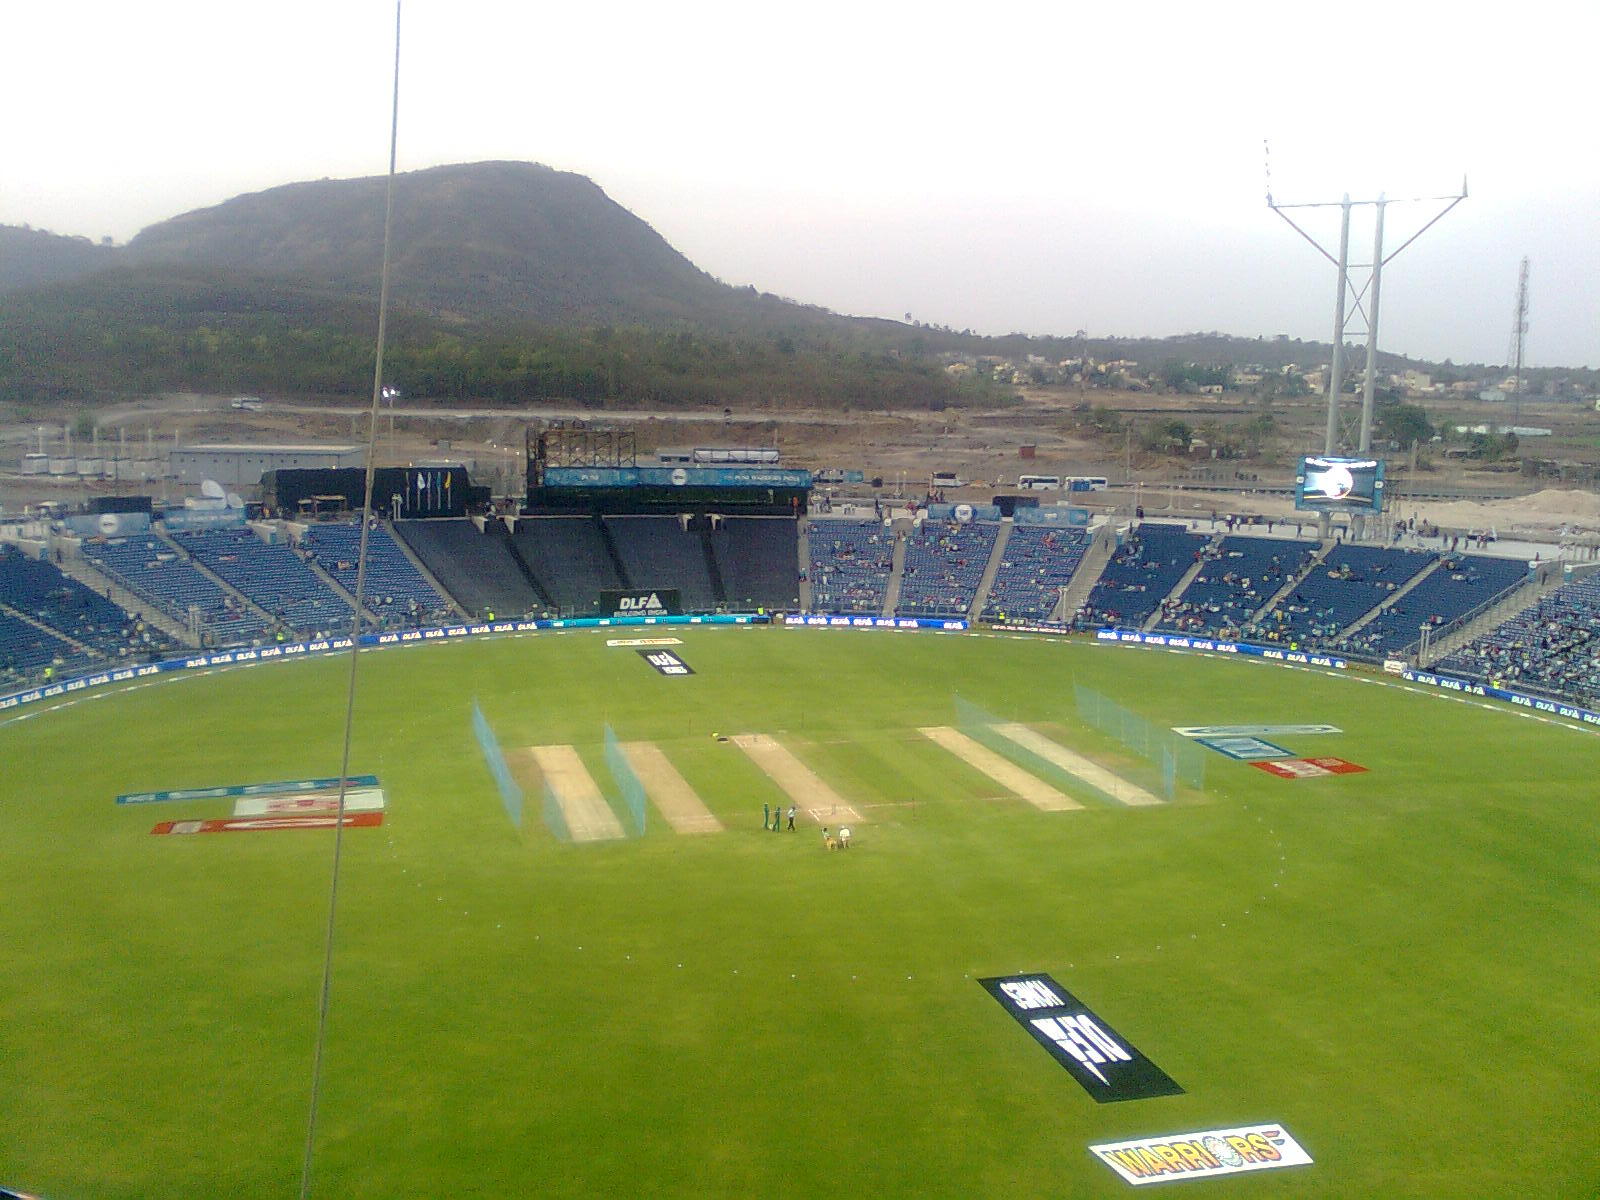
pixel 1328 484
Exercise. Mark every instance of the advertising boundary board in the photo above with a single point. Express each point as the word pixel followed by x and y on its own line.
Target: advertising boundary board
pixel 229 658
pixel 859 621
pixel 225 658
pixel 1538 703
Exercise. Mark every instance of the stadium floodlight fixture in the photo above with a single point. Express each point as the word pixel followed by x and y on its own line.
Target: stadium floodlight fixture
pixel 1347 289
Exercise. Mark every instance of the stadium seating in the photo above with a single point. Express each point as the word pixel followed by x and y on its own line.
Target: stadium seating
pixel 570 559
pixel 395 589
pixel 1139 575
pixel 945 562
pixel 25 650
pixel 758 560
pixel 38 589
pixel 850 566
pixel 149 568
pixel 1348 584
pixel 1552 648
pixel 476 568
pixel 660 552
pixel 1038 562
pixel 1238 576
pixel 272 576
pixel 1461 583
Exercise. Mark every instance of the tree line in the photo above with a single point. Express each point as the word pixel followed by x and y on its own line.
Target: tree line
pixel 46 362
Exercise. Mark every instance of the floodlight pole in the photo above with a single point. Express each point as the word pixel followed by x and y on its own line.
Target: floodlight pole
pixel 1372 330
pixel 1336 367
pixel 1342 264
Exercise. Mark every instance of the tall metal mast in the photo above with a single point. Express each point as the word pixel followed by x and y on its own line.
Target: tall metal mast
pixel 1344 313
pixel 1519 333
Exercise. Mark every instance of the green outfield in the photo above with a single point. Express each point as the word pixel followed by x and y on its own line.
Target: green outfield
pixel 1398 965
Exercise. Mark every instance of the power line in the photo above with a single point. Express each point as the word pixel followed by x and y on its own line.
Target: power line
pixel 355 632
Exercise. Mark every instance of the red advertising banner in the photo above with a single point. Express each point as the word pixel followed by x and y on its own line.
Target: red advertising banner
pixel 357 820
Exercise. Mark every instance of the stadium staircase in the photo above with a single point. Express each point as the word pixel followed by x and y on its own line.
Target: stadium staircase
pixel 1389 601
pixel 803 541
pixel 612 553
pixel 422 569
pixel 1524 597
pixel 339 590
pixel 1087 575
pixel 1179 588
pixel 57 635
pixel 1293 582
pixel 502 527
pixel 719 590
pixel 228 589
pixel 981 596
pixel 129 602
pixel 897 569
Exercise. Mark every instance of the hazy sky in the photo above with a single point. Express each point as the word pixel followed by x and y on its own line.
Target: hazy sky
pixel 1043 168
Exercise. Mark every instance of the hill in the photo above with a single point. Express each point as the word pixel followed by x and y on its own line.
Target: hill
pixel 35 257
pixel 494 243
pixel 510 281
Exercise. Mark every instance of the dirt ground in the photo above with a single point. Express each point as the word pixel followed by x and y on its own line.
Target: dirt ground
pixel 983 446
pixel 678 803
pixel 798 781
pixel 1002 770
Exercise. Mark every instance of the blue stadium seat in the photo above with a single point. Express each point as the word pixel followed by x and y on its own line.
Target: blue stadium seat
pixel 850 566
pixel 1038 562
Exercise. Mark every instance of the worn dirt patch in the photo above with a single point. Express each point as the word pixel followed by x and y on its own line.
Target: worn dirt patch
pixel 798 781
pixel 1003 771
pixel 678 803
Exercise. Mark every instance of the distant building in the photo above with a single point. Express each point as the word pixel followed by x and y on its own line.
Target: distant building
pixel 239 466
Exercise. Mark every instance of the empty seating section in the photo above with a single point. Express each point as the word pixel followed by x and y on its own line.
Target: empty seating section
pixel 1238 576
pixel 25 650
pixel 758 559
pixel 850 564
pixel 273 577
pixel 476 568
pixel 1460 584
pixel 569 558
pixel 1348 584
pixel 1139 575
pixel 395 589
pixel 659 552
pixel 1552 647
pixel 37 589
pixel 1036 564
pixel 945 561
pixel 150 568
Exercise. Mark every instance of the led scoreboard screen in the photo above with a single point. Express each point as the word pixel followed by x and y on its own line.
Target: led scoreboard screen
pixel 1328 484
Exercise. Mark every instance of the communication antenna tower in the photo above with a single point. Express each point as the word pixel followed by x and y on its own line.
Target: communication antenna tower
pixel 1363 303
pixel 1519 334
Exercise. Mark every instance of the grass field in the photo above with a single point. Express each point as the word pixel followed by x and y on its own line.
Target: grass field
pixel 1399 966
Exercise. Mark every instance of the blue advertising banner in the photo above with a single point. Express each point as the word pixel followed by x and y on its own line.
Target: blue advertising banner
pixel 857 621
pixel 117 524
pixel 229 658
pixel 1472 688
pixel 247 789
pixel 1052 516
pixel 675 477
pixel 202 518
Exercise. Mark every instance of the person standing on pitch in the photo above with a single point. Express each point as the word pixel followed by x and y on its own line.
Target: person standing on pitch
pixel 791 816
pixel 766 816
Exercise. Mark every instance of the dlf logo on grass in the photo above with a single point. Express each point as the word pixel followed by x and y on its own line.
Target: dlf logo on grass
pixel 1103 1061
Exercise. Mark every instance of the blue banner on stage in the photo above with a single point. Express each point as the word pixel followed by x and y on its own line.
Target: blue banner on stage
pixel 776 477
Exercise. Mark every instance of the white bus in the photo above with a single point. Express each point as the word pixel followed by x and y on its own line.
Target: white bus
pixel 1039 483
pixel 1086 483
